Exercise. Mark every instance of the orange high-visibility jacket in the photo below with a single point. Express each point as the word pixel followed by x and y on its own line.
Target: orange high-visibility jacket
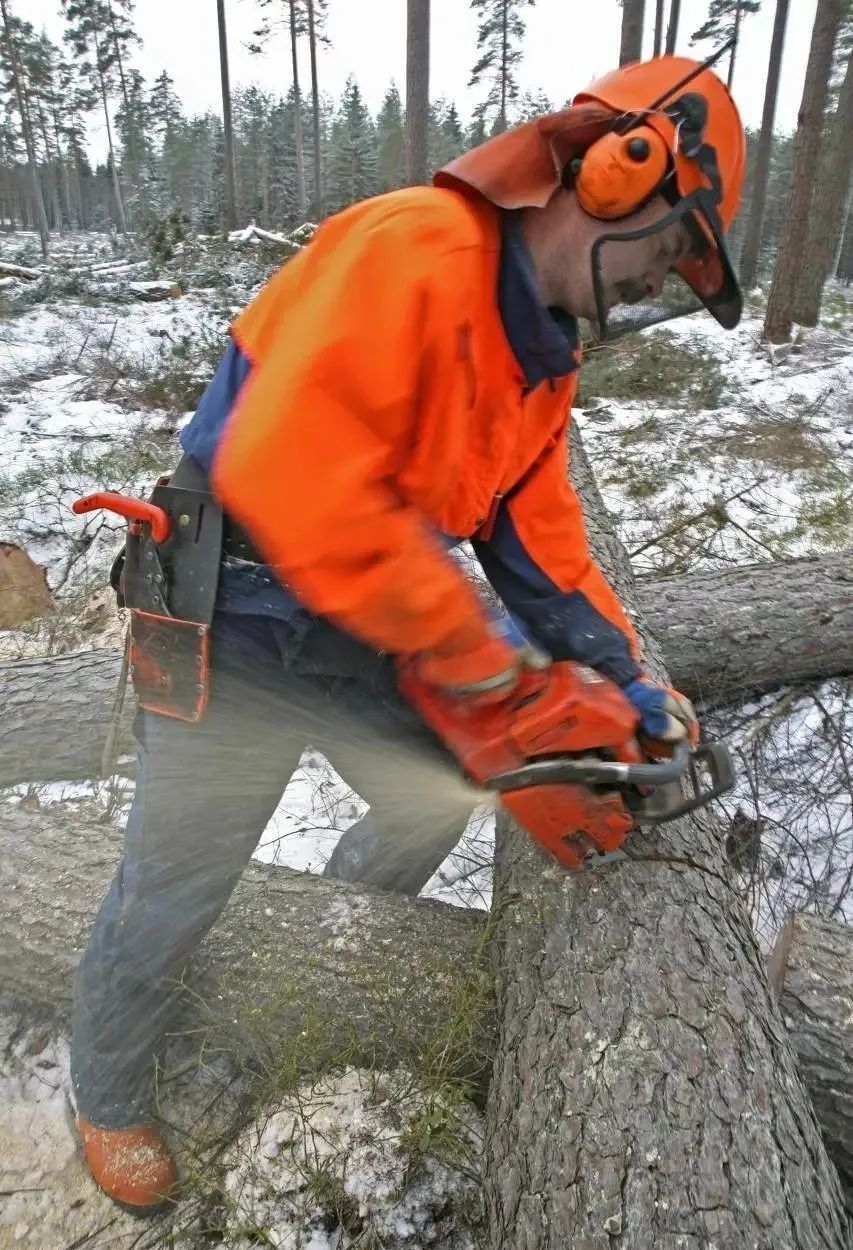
pixel 384 408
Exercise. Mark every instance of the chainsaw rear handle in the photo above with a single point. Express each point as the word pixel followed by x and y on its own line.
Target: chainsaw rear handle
pixel 133 510
pixel 594 772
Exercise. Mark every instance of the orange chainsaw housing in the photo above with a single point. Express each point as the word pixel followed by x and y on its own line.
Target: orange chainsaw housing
pixel 565 710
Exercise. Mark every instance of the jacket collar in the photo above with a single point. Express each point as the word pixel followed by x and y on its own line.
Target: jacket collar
pixel 545 341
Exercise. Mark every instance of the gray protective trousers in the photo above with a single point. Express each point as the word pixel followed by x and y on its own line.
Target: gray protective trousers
pixel 204 795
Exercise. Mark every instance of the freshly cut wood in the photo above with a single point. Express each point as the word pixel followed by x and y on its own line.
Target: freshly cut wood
pixel 811 969
pixel 724 635
pixel 24 592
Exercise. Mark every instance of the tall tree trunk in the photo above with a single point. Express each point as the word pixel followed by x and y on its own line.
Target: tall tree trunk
pixel 842 235
pixel 633 16
pixel 315 114
pixel 672 28
pixel 417 91
pixel 658 44
pixel 752 236
pixel 227 125
pixel 807 145
pixel 643 1092
pixel 301 198
pixel 826 223
pixel 504 65
pixel 51 170
pixel 131 136
pixel 19 88
pixel 119 198
pixel 736 37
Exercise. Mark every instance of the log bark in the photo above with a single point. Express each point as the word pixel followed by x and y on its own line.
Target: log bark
pixel 643 1085
pixel 395 966
pixel 723 635
pixel 811 969
pixel 382 971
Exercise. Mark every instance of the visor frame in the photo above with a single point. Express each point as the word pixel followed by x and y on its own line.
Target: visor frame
pixel 723 299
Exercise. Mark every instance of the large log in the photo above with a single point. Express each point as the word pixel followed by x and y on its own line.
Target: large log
pixel 723 635
pixel 811 969
pixel 644 1093
pixel 377 973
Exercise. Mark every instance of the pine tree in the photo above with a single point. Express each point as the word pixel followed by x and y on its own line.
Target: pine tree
pixel 19 88
pixel 93 35
pixel 826 223
pixel 316 17
pixel 779 319
pixel 417 90
pixel 758 199
pixel 500 31
pixel 391 141
pixel 230 169
pixel 446 135
pixel 353 168
pixel 672 27
pixel 633 16
pixel 290 14
pixel 724 23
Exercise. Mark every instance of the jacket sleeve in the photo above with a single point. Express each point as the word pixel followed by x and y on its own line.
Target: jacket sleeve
pixel 538 561
pixel 311 457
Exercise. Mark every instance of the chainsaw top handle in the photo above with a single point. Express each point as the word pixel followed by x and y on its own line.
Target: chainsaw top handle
pixel 589 771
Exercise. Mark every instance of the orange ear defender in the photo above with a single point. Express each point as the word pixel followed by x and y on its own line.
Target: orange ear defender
pixel 620 172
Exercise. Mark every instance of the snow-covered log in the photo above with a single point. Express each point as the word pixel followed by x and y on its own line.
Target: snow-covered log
pixel 723 634
pixel 20 271
pixel 644 1093
pixel 811 969
pixel 381 973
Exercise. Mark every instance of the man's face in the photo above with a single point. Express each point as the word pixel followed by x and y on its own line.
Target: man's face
pixel 636 269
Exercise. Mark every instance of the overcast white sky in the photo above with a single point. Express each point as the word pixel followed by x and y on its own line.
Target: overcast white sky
pixel 568 42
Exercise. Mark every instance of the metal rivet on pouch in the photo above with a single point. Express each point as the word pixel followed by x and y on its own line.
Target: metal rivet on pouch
pixel 183 519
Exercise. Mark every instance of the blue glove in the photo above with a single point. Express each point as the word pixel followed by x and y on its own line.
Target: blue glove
pixel 665 714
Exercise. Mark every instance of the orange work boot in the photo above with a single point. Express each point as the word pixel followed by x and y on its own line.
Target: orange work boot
pixel 133 1166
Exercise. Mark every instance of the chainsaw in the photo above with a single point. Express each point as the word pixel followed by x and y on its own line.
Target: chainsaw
pixel 562 753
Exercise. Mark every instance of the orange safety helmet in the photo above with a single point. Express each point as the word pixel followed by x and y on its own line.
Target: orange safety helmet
pixel 666 127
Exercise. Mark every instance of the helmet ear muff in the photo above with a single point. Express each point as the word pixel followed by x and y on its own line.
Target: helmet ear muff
pixel 619 172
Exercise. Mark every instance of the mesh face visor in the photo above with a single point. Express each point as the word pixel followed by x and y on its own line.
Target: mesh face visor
pixel 704 276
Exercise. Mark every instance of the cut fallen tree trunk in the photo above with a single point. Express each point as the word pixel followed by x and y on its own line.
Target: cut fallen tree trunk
pixel 753 628
pixel 380 971
pixel 723 635
pixel 643 1087
pixel 811 969
pixel 383 972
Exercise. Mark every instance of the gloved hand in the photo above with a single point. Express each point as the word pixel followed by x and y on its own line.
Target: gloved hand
pixel 485 672
pixel 666 716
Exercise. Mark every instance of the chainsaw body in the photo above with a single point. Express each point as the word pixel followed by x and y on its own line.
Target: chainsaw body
pixel 561 750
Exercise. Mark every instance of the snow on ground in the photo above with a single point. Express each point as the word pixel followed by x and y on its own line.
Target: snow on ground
pixel 324 1169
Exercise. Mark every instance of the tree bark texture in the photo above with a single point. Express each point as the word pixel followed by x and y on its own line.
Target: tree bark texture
pixel 384 972
pixel 826 224
pixel 658 39
pixel 417 90
pixel 353 954
pixel 752 236
pixel 723 635
pixel 811 969
pixel 644 1093
pixel 807 149
pixel 633 14
pixel 315 114
pixel 227 125
pixel 672 28
pixel 299 152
